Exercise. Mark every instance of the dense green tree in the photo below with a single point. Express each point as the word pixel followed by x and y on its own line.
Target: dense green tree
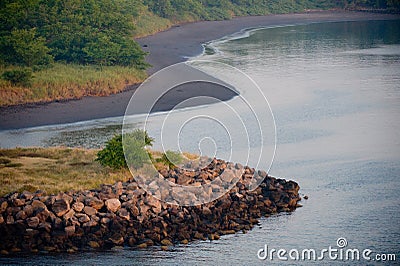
pixel 24 47
pixel 76 31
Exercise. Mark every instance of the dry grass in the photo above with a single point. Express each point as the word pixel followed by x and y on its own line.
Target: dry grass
pixel 66 81
pixel 54 170
pixel 59 169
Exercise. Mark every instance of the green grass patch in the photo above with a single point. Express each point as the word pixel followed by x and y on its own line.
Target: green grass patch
pixel 148 23
pixel 54 170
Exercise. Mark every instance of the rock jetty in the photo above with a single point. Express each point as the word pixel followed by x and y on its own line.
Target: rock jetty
pixel 123 214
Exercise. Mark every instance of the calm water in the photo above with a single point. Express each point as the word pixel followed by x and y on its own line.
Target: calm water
pixel 334 89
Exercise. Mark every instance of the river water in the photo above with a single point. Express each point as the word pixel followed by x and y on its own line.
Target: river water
pixel 334 89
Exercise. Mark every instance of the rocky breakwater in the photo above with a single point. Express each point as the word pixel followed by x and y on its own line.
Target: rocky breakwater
pixel 123 214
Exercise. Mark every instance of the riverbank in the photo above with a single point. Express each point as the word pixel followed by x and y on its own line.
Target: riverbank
pixel 165 48
pixel 125 215
pixel 64 82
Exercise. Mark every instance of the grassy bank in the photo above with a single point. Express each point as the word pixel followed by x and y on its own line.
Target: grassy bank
pixel 69 81
pixel 61 169
pixel 148 23
pixel 53 170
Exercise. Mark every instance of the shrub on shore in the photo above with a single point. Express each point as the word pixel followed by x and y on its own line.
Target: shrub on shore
pixel 134 143
pixel 19 76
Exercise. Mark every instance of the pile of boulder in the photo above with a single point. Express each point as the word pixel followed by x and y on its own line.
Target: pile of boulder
pixel 123 214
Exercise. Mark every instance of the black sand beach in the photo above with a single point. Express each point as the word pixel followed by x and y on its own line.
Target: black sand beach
pixel 165 48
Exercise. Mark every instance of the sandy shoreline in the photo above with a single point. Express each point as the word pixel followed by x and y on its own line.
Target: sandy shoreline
pixel 166 48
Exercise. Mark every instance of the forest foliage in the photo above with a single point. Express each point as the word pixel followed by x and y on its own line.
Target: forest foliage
pixel 34 34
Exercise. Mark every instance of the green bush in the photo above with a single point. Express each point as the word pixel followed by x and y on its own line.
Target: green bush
pixel 21 76
pixel 24 48
pixel 113 154
pixel 134 144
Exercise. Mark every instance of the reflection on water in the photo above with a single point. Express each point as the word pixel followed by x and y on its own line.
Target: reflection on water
pixel 334 89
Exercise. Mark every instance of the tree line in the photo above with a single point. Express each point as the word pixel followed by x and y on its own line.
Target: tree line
pixel 35 33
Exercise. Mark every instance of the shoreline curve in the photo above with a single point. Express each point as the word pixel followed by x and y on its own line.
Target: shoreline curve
pixel 174 45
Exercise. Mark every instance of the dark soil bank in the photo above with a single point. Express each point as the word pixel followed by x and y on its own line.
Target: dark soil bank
pixel 125 215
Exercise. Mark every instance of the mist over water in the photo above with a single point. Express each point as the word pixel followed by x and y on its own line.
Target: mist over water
pixel 334 89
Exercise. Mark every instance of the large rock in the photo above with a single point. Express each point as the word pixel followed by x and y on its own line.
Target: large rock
pixel 113 205
pixel 134 210
pixel 18 202
pixel 70 230
pixel 60 207
pixel 117 239
pixel 69 214
pixel 154 203
pixel 124 214
pixel 43 214
pixel 94 202
pixel 83 218
pixel 45 226
pixel 78 206
pixel 166 242
pixel 33 222
pixel 118 188
pixel 3 206
pixel 89 210
pixel 10 219
pixel 21 215
pixel 91 223
pixel 27 195
pixel 184 180
pixel 28 209
pixel 36 204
